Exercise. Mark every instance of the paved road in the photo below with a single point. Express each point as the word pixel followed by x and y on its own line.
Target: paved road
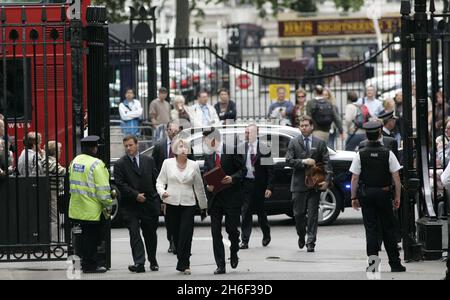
pixel 340 255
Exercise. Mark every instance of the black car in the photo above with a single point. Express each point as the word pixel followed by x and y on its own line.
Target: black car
pixel 332 202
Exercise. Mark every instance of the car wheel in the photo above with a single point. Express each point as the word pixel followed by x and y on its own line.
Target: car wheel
pixel 329 207
pixel 116 216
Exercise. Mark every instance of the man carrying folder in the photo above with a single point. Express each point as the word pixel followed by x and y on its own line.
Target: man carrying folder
pixel 227 202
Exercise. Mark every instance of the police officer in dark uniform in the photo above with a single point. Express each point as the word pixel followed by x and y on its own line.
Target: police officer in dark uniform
pixel 389 123
pixel 374 169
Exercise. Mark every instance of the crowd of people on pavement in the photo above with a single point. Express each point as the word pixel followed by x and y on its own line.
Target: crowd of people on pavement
pixel 330 121
pixel 170 181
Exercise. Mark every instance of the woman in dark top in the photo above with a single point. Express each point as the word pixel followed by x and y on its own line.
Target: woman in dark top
pixel 299 108
pixel 225 108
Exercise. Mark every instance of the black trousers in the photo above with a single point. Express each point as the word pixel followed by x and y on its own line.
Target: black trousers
pixel 90 240
pixel 169 230
pixel 135 221
pixel 250 206
pixel 182 225
pixel 377 211
pixel 231 226
pixel 306 203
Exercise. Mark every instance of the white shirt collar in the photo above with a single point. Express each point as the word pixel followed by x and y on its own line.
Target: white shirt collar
pixel 386 130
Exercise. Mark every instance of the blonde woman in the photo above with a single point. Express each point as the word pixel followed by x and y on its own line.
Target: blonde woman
pixel 178 180
pixel 181 112
pixel 300 107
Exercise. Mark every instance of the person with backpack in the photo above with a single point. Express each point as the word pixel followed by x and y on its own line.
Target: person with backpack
pixel 355 117
pixel 323 114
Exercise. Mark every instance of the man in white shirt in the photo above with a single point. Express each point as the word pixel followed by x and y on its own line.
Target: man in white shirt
pixel 30 160
pixel 257 186
pixel 130 111
pixel 205 114
pixel 374 105
pixel 374 168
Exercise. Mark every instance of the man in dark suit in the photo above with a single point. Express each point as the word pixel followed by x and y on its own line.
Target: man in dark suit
pixel 303 152
pixel 135 176
pixel 161 152
pixel 257 185
pixel 227 202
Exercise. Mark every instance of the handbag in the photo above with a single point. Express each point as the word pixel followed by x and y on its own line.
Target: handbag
pixel 314 176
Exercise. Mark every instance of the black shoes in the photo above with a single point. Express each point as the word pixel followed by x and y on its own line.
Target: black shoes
pixel 266 241
pixel 219 271
pixel 397 268
pixel 97 270
pixel 172 248
pixel 310 248
pixel 243 246
pixel 234 261
pixel 301 243
pixel 136 268
pixel 154 267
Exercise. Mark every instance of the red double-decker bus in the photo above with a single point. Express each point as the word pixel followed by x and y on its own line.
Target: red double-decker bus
pixel 36 70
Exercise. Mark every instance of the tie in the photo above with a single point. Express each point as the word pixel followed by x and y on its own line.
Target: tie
pixel 218 164
pixel 170 151
pixel 135 163
pixel 252 155
pixel 307 145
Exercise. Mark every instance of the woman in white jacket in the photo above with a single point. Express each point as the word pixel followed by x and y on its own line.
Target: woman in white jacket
pixel 176 183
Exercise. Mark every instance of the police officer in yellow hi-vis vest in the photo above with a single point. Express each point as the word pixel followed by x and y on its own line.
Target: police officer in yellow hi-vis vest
pixel 90 196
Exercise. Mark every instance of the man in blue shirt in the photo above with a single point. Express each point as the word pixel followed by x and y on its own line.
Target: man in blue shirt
pixel 281 110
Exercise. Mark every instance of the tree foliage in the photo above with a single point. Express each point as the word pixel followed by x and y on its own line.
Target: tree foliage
pixel 117 13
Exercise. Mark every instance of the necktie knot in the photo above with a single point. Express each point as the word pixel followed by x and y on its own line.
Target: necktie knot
pixel 135 163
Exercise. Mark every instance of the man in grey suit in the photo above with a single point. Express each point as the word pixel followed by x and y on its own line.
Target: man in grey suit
pixel 306 151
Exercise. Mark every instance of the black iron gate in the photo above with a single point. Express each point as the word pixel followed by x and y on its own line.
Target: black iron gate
pixel 426 90
pixel 43 107
pixel 198 65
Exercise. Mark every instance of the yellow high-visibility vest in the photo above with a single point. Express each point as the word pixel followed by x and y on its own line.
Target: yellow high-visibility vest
pixel 90 192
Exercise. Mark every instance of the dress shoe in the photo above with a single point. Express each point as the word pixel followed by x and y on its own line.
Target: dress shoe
pixel 243 246
pixel 219 271
pixel 154 267
pixel 97 270
pixel 398 268
pixel 301 243
pixel 234 261
pixel 136 268
pixel 310 248
pixel 187 272
pixel 266 241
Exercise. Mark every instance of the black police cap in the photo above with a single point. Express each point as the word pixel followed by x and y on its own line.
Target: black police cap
pixel 91 140
pixel 372 126
pixel 387 115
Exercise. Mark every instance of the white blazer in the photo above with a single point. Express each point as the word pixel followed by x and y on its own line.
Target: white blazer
pixel 180 185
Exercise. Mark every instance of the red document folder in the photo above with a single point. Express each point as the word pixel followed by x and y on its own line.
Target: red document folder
pixel 214 177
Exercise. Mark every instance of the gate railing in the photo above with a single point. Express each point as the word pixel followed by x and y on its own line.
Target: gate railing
pixel 35 102
pixel 249 83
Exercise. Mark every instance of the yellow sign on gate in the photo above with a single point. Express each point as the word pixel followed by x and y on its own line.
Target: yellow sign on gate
pixel 273 91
